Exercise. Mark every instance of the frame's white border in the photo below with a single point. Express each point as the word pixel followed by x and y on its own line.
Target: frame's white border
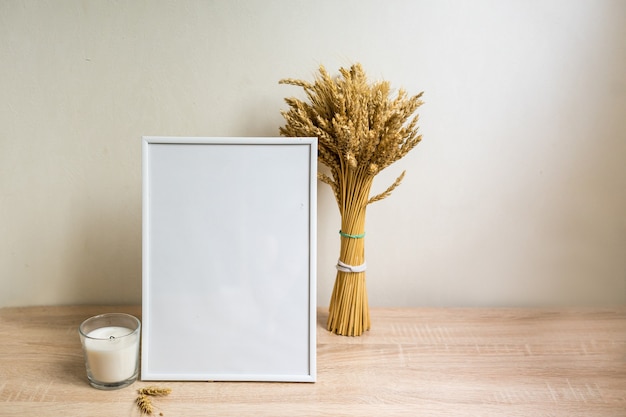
pixel 147 372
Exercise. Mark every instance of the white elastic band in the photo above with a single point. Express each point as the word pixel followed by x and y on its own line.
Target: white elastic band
pixel 350 268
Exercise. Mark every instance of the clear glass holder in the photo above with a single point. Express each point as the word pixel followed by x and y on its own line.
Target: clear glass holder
pixel 111 348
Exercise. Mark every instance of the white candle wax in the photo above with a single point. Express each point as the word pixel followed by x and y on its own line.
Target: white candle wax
pixel 111 353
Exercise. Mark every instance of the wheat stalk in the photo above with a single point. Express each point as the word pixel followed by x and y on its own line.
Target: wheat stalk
pixel 144 403
pixel 362 128
pixel 155 391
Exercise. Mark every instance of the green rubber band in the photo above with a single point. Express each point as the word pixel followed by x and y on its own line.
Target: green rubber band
pixel 361 236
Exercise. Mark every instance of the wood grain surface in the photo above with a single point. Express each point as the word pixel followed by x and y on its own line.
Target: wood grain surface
pixel 414 362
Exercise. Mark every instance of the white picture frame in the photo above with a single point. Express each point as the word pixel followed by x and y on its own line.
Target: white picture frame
pixel 229 259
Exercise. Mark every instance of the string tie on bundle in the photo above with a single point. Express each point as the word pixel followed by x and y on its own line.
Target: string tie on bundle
pixel 360 236
pixel 343 267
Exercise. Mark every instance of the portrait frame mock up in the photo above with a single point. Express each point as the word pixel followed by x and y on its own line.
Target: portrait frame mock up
pixel 229 259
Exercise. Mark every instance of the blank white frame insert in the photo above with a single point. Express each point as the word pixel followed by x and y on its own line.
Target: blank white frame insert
pixel 229 258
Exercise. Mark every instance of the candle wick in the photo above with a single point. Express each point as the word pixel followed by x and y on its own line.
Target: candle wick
pixel 111 337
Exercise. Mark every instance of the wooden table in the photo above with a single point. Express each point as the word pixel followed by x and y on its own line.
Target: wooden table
pixel 414 362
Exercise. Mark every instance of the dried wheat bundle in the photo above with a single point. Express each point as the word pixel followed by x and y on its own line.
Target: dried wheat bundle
pixel 362 128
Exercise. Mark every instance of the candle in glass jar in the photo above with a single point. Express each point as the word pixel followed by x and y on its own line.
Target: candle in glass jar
pixel 111 353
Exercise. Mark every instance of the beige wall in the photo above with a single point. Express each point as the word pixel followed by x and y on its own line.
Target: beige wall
pixel 517 195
